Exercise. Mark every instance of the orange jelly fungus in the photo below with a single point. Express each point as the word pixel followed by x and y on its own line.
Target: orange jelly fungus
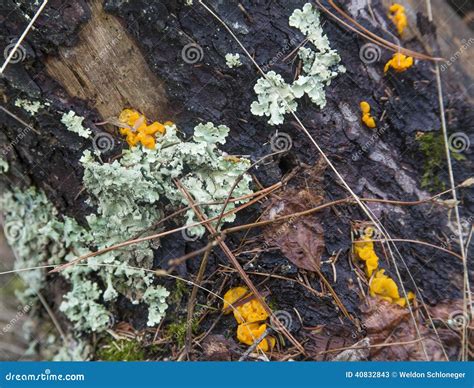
pixel 248 333
pixel 364 249
pixel 399 63
pixel 138 131
pixel 367 118
pixel 232 296
pixel 250 316
pixel 398 17
pixel 386 288
pixel 251 311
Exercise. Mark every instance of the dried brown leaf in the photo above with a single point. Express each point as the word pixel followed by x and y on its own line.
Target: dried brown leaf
pixel 218 348
pixel 321 342
pixel 300 239
pixel 388 323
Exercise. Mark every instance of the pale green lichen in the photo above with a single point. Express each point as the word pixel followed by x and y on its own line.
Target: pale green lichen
pixel 318 71
pixel 233 60
pixel 143 176
pixel 34 232
pixel 73 123
pixel 3 166
pixel 127 195
pixel 156 300
pixel 82 306
pixel 210 134
pixel 275 97
pixel 307 21
pixel 31 107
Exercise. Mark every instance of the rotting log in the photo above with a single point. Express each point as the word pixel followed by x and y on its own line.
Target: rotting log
pixel 98 57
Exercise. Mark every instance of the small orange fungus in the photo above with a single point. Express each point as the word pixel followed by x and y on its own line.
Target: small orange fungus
pixel 367 118
pixel 248 333
pixel 399 63
pixel 364 249
pixel 386 288
pixel 398 17
pixel 251 311
pixel 232 296
pixel 250 316
pixel 136 130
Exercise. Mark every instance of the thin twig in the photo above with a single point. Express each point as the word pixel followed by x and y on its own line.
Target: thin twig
pixel 467 297
pixel 255 344
pixel 151 237
pixel 22 36
pixel 192 301
pixel 242 273
pixel 372 346
pixel 370 35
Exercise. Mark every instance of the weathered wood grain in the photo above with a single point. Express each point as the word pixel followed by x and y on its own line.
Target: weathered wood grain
pixel 107 69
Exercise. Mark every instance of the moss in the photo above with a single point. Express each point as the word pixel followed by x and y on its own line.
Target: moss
pixel 121 350
pixel 273 304
pixel 177 330
pixel 13 286
pixel 180 290
pixel 432 146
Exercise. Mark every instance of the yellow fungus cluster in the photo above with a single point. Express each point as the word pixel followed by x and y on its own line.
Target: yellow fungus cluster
pixel 398 17
pixel 364 249
pixel 367 118
pixel 381 285
pixel 250 316
pixel 399 63
pixel 136 129
pixel 247 333
pixel 386 288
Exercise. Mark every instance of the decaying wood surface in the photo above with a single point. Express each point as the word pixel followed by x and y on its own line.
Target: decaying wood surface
pixel 107 69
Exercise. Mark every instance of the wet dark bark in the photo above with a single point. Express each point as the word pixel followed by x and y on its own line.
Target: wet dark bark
pixel 391 168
